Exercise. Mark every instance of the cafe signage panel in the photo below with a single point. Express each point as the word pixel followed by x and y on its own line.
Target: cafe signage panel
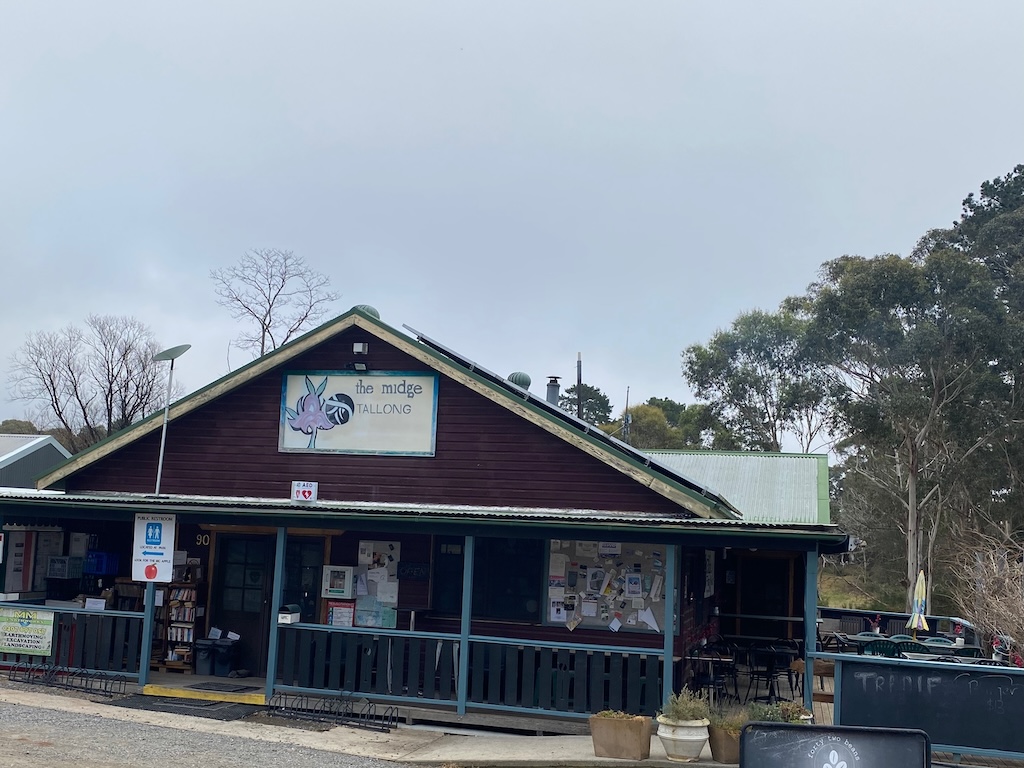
pixel 375 412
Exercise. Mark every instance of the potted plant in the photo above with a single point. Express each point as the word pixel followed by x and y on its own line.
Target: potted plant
pixel 683 725
pixel 724 733
pixel 620 734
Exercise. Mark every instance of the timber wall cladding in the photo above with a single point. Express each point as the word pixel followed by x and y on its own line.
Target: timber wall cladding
pixel 484 455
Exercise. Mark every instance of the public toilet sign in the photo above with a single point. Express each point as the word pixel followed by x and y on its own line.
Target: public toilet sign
pixel 153 550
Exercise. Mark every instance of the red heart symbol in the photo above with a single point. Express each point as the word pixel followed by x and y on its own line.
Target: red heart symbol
pixel 306 494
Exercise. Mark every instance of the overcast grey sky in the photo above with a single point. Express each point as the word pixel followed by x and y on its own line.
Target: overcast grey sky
pixel 521 181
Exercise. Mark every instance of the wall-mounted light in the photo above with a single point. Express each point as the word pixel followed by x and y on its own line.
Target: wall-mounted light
pixel 357 367
pixel 360 348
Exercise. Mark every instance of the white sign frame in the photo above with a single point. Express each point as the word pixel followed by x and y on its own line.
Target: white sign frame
pixel 153 548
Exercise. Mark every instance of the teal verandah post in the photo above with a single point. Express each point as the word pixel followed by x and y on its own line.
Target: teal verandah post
pixel 275 608
pixel 147 633
pixel 671 605
pixel 810 623
pixel 469 555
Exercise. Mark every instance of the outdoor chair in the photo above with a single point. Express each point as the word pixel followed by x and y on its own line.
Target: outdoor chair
pixel 912 646
pixel 763 668
pixel 939 641
pixel 991 663
pixel 882 648
pixel 711 675
pixel 899 638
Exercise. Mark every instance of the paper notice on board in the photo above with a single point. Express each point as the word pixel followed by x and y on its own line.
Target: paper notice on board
pixel 556 611
pixel 377 574
pixel 556 593
pixel 589 608
pixel 615 625
pixel 365 556
pixel 557 565
pixel 609 548
pixel 656 588
pixel 647 617
pixel 387 592
pixel 586 549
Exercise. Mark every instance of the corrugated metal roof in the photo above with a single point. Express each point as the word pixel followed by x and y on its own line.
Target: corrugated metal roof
pixel 783 488
pixel 330 509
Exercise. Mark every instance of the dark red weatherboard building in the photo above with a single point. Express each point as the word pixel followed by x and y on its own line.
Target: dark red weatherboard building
pixel 366 512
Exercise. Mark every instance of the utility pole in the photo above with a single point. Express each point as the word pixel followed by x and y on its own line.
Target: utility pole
pixel 579 386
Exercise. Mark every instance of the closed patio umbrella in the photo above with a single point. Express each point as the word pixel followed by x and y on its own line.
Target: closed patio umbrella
pixel 917 620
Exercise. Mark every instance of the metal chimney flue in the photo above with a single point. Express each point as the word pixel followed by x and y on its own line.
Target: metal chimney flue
pixel 553 390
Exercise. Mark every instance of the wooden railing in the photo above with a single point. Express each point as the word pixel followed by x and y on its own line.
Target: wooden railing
pixel 106 641
pixel 508 675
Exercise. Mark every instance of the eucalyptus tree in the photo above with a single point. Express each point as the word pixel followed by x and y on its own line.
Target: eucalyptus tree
pixel 760 383
pixel 918 347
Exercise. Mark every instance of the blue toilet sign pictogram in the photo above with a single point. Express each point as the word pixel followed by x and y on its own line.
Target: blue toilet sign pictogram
pixel 154 534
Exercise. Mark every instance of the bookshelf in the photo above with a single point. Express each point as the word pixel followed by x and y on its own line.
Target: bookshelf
pixel 178 627
pixel 174 620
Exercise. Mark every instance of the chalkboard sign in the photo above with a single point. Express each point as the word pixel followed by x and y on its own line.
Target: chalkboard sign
pixel 961 705
pixel 782 745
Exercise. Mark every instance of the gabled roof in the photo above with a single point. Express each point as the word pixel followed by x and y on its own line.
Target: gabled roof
pixel 640 467
pixel 15 447
pixel 782 488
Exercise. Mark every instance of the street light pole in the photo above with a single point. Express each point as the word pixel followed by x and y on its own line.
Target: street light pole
pixel 168 354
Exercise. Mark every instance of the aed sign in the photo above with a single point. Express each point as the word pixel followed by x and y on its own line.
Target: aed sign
pixel 303 490
pixel 153 548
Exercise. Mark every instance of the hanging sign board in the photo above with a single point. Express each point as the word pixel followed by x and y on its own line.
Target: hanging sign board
pixel 26 630
pixel 153 548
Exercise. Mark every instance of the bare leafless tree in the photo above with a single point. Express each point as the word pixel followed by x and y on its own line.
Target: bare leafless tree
pixel 989 590
pixel 276 292
pixel 88 382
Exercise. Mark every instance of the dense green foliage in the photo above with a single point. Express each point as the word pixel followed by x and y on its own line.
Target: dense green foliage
pixel 913 367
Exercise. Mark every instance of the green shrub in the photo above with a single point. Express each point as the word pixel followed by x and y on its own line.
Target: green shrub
pixel 685 705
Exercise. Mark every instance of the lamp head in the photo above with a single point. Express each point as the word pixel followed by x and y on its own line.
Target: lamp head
pixel 172 353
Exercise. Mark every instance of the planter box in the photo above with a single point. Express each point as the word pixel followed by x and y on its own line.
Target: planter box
pixel 627 738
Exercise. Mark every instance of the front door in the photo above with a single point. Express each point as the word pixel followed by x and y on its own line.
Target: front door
pixel 242 586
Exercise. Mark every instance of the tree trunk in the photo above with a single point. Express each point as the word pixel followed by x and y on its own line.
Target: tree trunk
pixel 913 526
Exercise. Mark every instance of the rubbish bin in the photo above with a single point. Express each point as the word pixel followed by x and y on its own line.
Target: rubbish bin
pixel 224 657
pixel 204 656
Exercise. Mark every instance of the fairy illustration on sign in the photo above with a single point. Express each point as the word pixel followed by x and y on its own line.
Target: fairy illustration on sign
pixel 313 413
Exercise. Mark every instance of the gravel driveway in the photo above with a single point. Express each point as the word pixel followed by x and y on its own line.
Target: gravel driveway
pixel 41 730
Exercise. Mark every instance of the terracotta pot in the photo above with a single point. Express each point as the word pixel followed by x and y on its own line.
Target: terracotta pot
pixel 627 738
pixel 725 745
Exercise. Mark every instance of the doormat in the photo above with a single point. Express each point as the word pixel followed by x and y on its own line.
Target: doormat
pixel 224 687
pixel 215 710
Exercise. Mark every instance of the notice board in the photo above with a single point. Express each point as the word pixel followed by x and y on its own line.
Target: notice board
pixel 610 585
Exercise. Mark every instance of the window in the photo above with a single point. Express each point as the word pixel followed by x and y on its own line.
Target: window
pixel 507 578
